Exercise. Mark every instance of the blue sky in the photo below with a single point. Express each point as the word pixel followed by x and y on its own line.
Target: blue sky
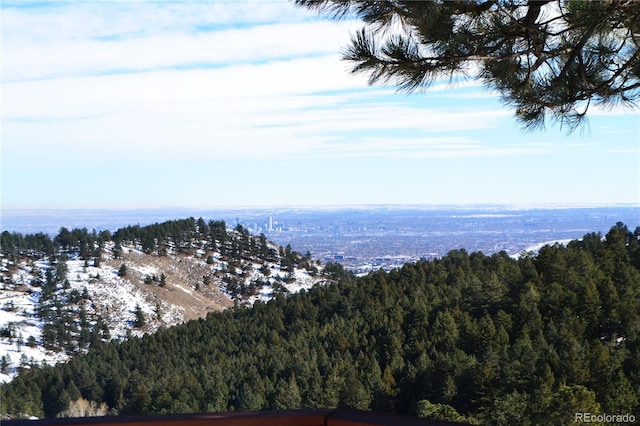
pixel 139 104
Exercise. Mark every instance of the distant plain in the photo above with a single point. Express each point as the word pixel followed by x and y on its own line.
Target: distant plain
pixel 365 237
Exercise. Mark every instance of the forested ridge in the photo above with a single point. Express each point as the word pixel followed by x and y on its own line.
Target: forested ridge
pixel 61 294
pixel 177 236
pixel 237 247
pixel 484 339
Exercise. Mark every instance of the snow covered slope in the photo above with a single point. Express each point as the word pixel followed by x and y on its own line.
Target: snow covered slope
pixel 46 318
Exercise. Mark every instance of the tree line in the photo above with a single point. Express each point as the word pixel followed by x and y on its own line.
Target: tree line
pixel 184 236
pixel 181 234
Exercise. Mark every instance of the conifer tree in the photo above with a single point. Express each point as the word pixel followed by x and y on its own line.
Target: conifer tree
pixel 140 319
pixel 5 362
pixel 544 57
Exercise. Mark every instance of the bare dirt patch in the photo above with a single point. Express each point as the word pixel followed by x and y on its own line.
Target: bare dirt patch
pixel 184 285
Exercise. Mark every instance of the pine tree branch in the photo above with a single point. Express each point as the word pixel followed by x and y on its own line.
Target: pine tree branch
pixel 584 51
pixel 575 51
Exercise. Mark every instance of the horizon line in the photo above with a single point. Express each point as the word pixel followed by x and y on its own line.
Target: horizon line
pixel 510 206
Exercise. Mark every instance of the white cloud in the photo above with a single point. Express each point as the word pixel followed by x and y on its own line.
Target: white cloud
pixel 245 127
pixel 78 20
pixel 245 87
pixel 92 84
pixel 78 57
pixel 285 105
pixel 626 151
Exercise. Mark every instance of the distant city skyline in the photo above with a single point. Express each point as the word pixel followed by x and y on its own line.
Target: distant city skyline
pixel 366 237
pixel 219 104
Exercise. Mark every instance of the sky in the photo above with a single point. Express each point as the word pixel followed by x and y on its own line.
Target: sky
pixel 141 104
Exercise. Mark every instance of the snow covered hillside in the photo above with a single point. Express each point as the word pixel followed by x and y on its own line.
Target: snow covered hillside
pixel 52 307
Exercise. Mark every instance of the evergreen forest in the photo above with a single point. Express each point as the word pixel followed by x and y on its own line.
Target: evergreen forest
pixel 480 339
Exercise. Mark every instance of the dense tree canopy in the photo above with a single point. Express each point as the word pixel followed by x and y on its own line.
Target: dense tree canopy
pixel 545 57
pixel 484 339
